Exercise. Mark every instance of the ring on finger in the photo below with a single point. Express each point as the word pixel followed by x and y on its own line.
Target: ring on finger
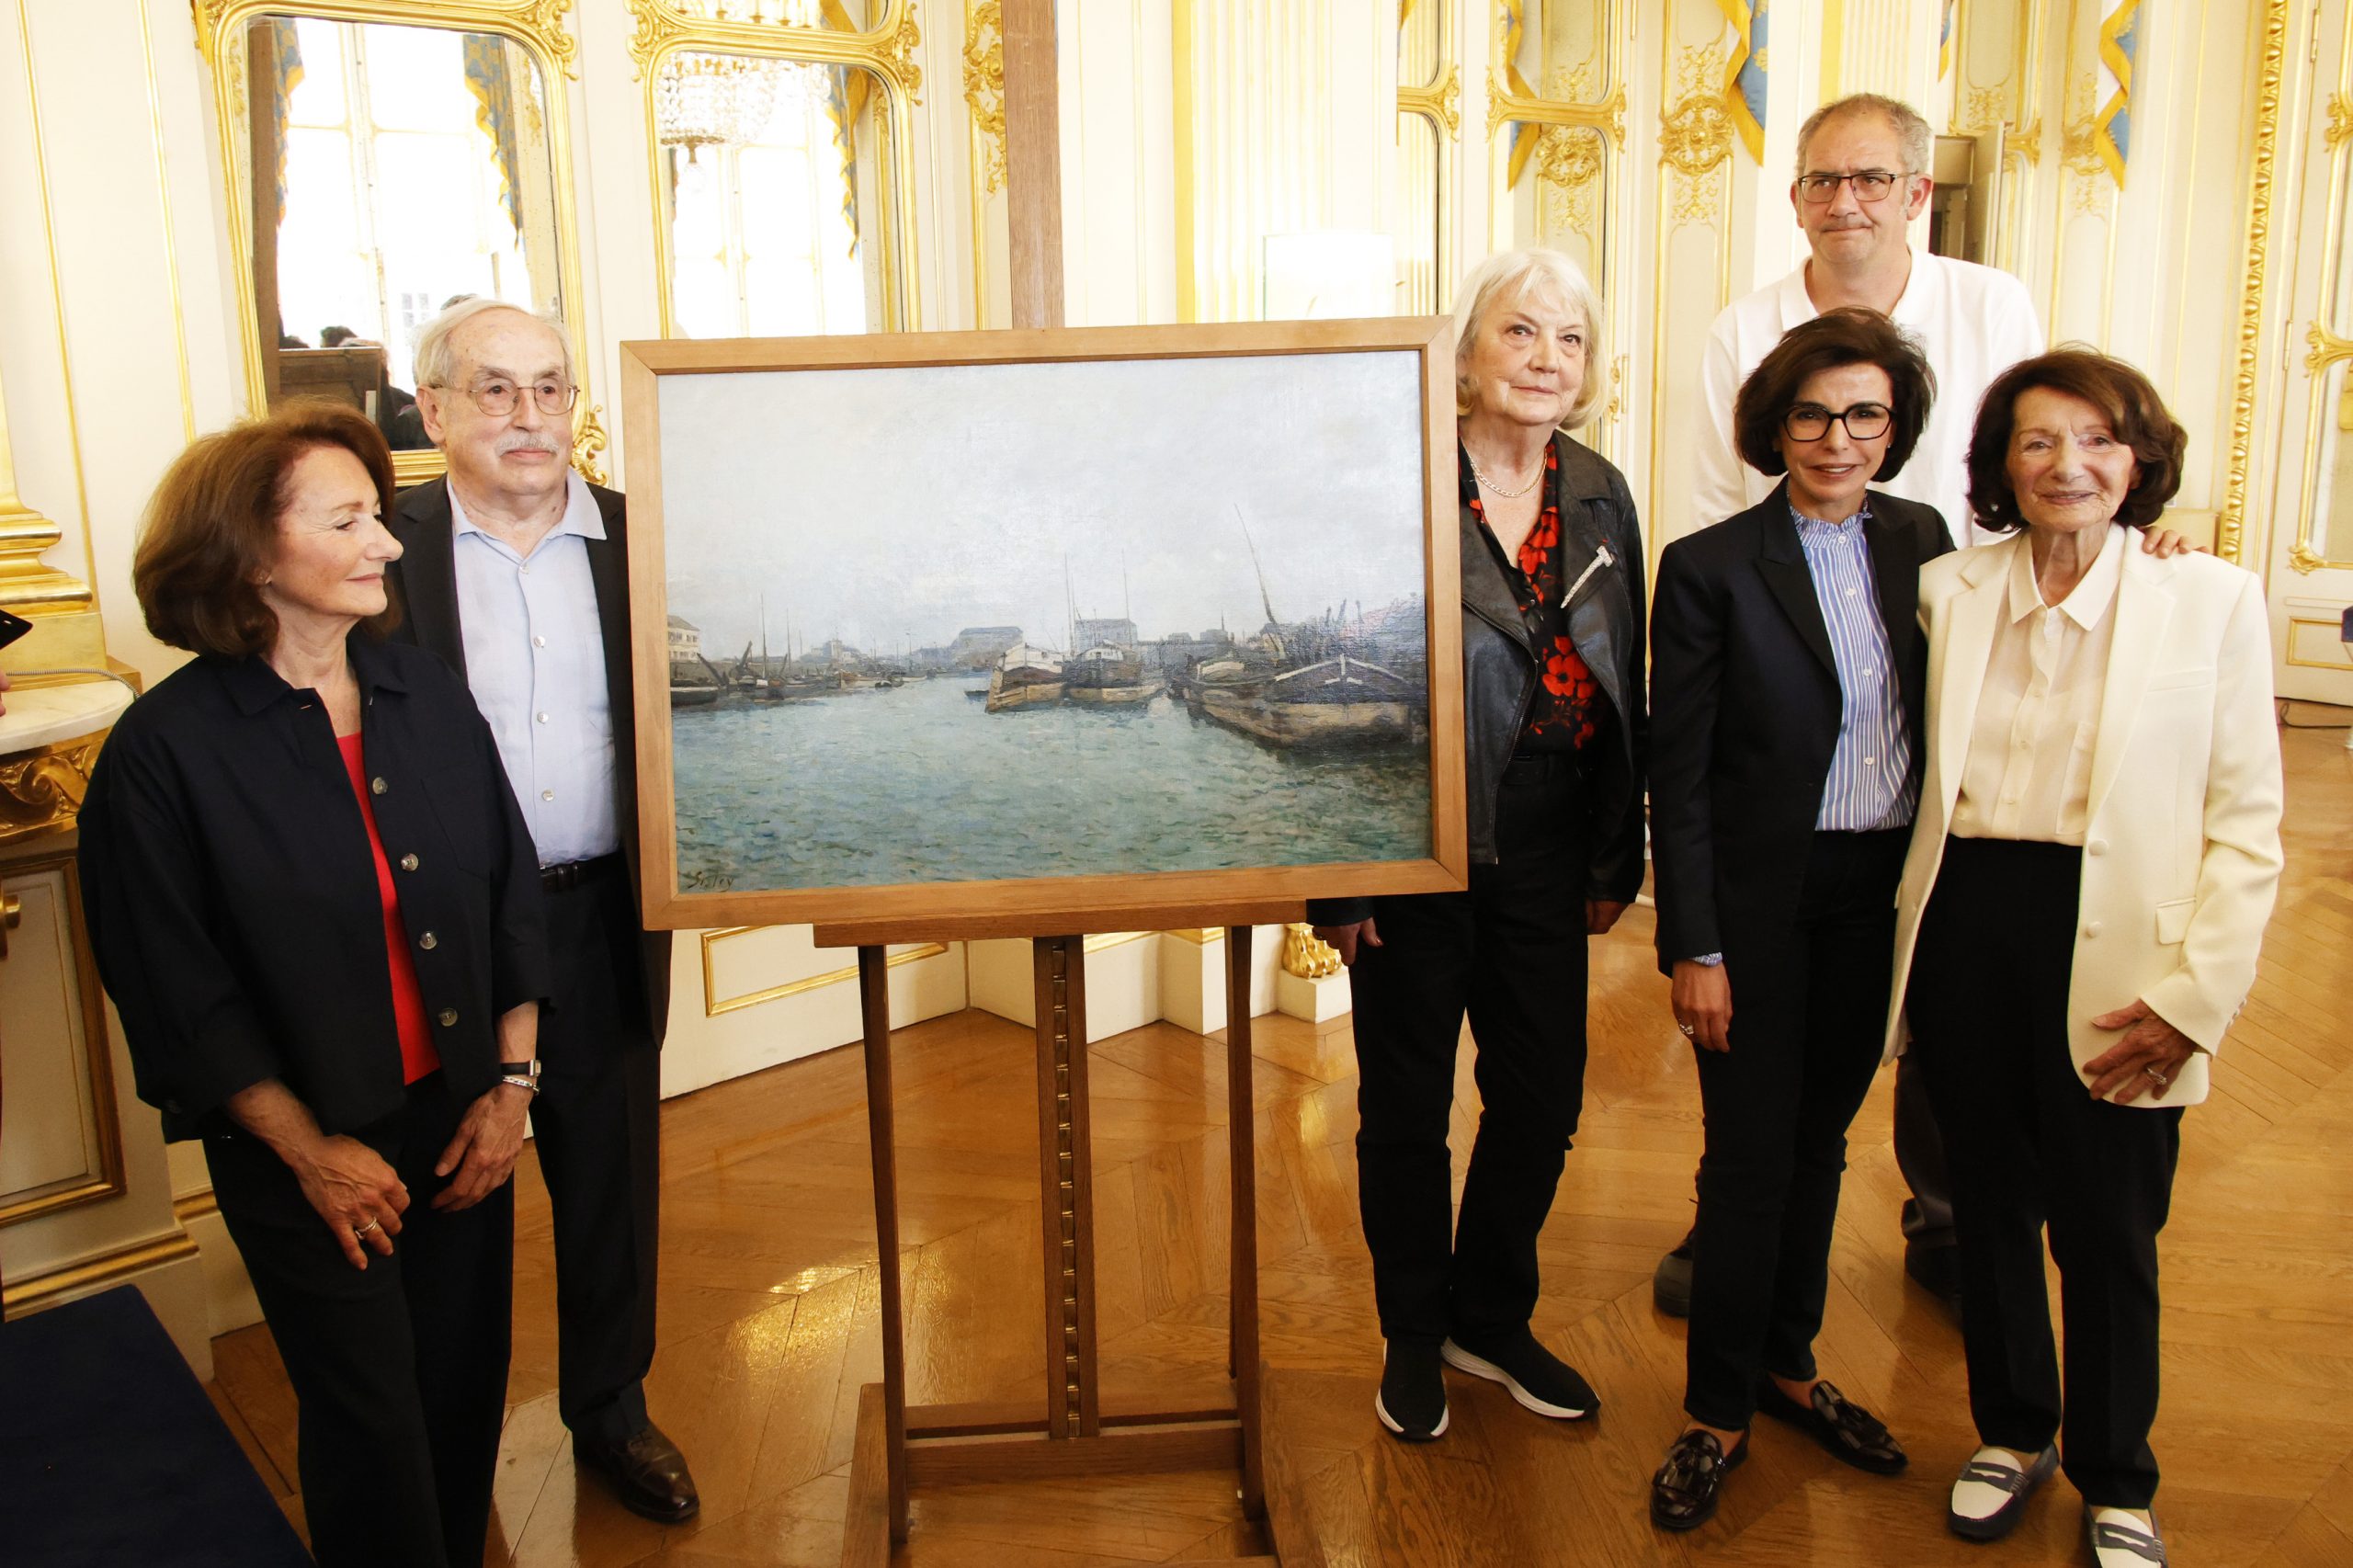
pixel 371 1225
pixel 1688 1032
pixel 2159 1078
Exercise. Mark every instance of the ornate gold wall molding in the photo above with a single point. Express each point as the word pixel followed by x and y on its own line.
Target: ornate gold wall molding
pixel 588 444
pixel 984 93
pixel 537 23
pixel 888 48
pixel 41 791
pixel 2326 349
pixel 1439 103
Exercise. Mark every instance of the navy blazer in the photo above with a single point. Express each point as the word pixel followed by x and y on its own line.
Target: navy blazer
pixel 425 580
pixel 231 892
pixel 1746 708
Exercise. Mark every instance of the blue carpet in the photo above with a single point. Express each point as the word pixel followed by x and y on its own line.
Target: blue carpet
pixel 110 1454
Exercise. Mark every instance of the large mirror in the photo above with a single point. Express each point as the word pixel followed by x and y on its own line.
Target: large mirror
pixel 383 170
pixel 776 196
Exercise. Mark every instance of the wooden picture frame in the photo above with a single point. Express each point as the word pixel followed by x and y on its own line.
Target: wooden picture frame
pixel 1406 356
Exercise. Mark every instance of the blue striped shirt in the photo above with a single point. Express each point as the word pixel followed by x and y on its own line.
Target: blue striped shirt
pixel 1870 783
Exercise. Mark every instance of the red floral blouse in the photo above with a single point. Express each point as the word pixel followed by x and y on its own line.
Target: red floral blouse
pixel 1565 715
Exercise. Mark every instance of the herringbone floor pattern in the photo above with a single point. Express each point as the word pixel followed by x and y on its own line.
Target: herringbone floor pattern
pixel 768 1306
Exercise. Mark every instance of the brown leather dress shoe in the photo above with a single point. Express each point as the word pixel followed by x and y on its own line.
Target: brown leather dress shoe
pixel 648 1474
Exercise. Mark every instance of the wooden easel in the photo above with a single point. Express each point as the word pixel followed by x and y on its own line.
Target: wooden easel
pixel 1073 1431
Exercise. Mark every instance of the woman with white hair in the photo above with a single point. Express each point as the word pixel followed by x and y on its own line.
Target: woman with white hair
pixel 1554 734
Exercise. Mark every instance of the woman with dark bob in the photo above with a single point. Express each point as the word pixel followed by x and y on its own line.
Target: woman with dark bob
pixel 2096 855
pixel 1784 770
pixel 1553 739
pixel 317 908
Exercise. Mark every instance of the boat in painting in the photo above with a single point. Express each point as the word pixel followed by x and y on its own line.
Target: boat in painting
pixel 1025 677
pixel 1341 700
pixel 1108 676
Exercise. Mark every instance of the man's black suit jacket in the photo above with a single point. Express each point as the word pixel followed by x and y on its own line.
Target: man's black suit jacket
pixel 426 578
pixel 1744 710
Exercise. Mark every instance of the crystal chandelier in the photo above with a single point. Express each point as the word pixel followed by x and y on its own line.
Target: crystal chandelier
pixel 718 100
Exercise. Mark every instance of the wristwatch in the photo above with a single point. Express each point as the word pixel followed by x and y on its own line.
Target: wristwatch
pixel 522 1075
pixel 1713 960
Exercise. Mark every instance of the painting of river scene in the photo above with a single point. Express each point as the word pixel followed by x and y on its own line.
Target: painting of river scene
pixel 979 623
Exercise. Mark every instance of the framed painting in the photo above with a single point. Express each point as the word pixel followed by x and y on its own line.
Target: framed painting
pixel 1023 623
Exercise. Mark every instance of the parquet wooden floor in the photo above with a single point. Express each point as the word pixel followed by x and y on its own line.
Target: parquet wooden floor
pixel 768 1305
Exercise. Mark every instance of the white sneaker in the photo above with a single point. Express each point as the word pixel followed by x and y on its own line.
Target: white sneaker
pixel 2119 1539
pixel 1990 1495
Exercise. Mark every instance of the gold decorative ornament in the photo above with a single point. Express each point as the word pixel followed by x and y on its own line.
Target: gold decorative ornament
pixel 984 88
pixel 588 445
pixel 1696 134
pixel 41 791
pixel 1307 956
pixel 2340 119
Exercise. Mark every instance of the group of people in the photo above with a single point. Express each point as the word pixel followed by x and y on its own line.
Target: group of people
pixel 2007 814
pixel 351 873
pixel 355 870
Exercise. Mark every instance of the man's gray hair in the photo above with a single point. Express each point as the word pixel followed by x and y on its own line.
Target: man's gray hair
pixel 437 361
pixel 1910 129
pixel 1508 276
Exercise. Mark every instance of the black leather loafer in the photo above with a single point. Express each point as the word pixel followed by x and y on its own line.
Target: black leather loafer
pixel 647 1474
pixel 1851 1433
pixel 1684 1492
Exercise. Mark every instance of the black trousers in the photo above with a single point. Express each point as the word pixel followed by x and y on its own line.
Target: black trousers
pixel 2030 1147
pixel 399 1369
pixel 598 1126
pixel 1809 1013
pixel 1511 952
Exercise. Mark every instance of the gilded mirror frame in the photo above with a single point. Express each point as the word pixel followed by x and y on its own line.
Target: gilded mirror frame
pixel 885 51
pixel 537 26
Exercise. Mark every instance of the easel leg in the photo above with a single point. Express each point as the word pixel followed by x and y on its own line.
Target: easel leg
pixel 1242 1299
pixel 1066 1205
pixel 874 1002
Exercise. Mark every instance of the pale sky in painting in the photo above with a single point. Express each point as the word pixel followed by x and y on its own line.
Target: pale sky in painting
pixel 896 505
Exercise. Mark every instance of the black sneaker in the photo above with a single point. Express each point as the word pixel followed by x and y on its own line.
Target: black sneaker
pixel 1536 1378
pixel 1412 1401
pixel 1671 1281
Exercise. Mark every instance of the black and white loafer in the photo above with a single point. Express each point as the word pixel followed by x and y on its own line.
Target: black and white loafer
pixel 2119 1539
pixel 1990 1496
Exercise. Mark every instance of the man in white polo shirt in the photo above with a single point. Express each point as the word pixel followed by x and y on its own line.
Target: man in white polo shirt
pixel 1863 179
pixel 1863 165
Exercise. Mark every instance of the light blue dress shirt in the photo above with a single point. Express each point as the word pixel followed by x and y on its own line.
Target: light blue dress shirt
pixel 535 658
pixel 1870 784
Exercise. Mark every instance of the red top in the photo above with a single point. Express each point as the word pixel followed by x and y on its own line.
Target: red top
pixel 418 1055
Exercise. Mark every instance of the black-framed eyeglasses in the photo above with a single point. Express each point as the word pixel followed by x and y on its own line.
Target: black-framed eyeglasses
pixel 1870 185
pixel 497 396
pixel 1812 422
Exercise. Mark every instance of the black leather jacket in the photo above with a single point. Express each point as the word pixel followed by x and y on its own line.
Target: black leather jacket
pixel 1601 545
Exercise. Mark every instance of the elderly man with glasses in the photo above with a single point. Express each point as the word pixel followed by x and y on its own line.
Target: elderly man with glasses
pixel 515 572
pixel 1863 179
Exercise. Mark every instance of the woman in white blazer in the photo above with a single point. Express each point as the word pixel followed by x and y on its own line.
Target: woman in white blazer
pixel 2095 853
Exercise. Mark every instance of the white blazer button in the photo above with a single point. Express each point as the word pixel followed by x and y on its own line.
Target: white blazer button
pixel 2092 929
pixel 2097 847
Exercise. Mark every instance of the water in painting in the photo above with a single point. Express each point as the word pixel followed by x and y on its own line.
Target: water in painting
pixel 966 623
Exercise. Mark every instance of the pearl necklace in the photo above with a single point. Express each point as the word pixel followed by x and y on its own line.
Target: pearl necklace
pixel 1499 490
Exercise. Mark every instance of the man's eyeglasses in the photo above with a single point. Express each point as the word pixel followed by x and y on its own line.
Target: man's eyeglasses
pixel 1812 422
pixel 1870 185
pixel 497 396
